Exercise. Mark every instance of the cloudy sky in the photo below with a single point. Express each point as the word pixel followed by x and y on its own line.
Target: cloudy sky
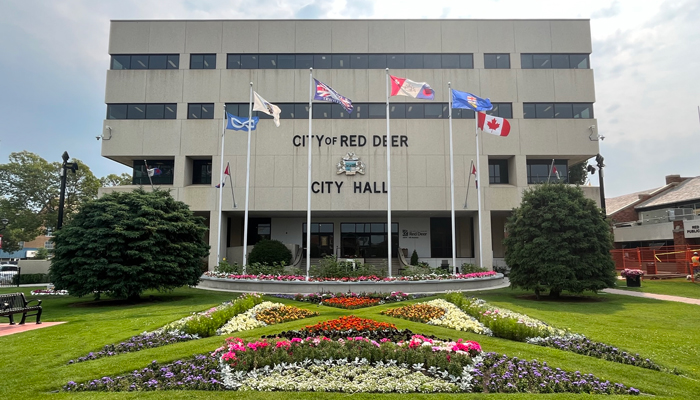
pixel 646 61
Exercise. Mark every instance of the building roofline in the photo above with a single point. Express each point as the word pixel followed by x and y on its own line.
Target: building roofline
pixel 349 19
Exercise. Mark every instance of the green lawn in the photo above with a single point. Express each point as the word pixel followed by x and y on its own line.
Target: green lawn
pixel 34 364
pixel 673 287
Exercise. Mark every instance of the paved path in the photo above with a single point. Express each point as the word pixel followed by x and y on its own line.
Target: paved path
pixel 654 296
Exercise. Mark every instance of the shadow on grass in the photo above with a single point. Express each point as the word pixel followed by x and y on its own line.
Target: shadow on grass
pixel 109 302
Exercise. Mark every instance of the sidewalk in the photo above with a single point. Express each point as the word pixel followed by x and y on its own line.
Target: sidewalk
pixel 654 296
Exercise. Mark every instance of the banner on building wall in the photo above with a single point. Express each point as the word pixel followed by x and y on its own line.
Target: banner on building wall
pixel 691 229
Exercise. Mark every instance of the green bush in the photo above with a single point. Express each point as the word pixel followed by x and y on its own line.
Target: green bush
pixel 330 267
pixel 420 269
pixel 414 258
pixel 28 279
pixel 206 325
pixel 270 252
pixel 264 269
pixel 471 268
pixel 226 268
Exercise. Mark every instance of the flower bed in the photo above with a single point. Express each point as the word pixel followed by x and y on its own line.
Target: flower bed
pixel 450 316
pixel 580 344
pixel 502 322
pixel 351 303
pixel 349 323
pixel 140 342
pixel 371 278
pixel 49 292
pixel 263 314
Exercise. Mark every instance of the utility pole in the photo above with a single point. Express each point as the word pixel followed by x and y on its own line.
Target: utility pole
pixel 62 199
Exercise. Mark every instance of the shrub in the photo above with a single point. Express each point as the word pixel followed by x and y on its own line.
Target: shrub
pixel 471 268
pixel 414 258
pixel 258 268
pixel 225 268
pixel 205 325
pixel 28 279
pixel 330 267
pixel 270 252
pixel 420 269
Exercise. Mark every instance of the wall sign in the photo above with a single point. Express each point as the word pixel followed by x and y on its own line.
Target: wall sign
pixel 691 229
pixel 350 165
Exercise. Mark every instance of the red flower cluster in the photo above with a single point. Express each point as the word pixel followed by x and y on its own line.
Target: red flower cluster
pixel 351 302
pixel 350 322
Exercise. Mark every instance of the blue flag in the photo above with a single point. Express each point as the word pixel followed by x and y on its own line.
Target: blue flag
pixel 326 93
pixel 241 124
pixel 469 101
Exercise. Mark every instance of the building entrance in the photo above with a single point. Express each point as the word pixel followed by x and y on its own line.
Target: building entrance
pixel 321 239
pixel 367 240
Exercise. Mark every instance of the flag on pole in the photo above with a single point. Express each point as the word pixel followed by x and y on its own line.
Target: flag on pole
pixel 241 124
pixel 555 172
pixel 493 125
pixel 260 104
pixel 326 93
pixel 476 178
pixel 223 179
pixel 154 171
pixel 469 101
pixel 407 87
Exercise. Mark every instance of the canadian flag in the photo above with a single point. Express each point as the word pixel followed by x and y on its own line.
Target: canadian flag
pixel 476 178
pixel 494 125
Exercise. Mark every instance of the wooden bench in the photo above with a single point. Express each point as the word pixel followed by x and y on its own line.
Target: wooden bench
pixel 16 303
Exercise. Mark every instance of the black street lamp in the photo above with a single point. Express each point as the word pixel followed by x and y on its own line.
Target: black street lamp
pixel 62 199
pixel 3 224
pixel 599 160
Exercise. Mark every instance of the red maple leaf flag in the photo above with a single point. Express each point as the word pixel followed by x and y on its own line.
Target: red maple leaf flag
pixel 476 178
pixel 494 125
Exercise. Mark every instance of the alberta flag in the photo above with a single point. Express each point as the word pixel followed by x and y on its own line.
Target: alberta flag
pixel 406 87
pixel 326 93
pixel 493 125
pixel 469 101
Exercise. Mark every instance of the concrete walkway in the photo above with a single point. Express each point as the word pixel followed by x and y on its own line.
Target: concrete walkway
pixel 654 296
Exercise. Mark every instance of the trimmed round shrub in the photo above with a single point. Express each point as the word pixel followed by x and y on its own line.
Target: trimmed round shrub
pixel 270 252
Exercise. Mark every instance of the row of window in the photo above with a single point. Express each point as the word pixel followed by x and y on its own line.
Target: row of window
pixel 350 61
pixel 538 171
pixel 360 111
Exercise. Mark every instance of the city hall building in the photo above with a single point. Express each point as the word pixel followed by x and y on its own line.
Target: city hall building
pixel 169 81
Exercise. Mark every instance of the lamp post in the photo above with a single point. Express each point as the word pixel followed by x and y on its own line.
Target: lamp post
pixel 62 199
pixel 599 160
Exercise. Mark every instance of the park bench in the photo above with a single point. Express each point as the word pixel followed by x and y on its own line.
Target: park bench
pixel 16 303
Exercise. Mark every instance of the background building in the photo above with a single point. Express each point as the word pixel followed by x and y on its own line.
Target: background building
pixel 168 83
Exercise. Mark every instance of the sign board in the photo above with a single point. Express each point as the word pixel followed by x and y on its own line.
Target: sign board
pixel 691 229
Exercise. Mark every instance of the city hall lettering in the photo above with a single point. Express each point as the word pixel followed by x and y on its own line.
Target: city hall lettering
pixel 350 140
pixel 357 187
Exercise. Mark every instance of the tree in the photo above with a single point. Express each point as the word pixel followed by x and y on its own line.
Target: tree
pixel 127 242
pixel 558 240
pixel 269 252
pixel 30 195
pixel 578 173
pixel 116 180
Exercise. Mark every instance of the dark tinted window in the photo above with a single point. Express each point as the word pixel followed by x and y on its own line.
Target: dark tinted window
pixel 541 171
pixel 157 62
pixel 249 61
pixel 202 111
pixel 139 62
pixel 541 61
pixel 466 61
pixel 301 111
pixel 322 111
pixel 450 61
pixel 578 61
pixel 394 61
pixel 162 172
pixel 121 62
pixel 529 110
pixel 377 110
pixel 503 110
pixel 116 111
pixel 286 110
pixel 340 61
pixel 397 110
pixel 136 111
pixel 437 110
pixel 554 60
pixel 414 111
pixel 286 61
pixel 496 61
pixel 305 61
pixel 233 61
pixel 338 112
pixel 558 110
pixel 414 61
pixel 360 111
pixel 267 61
pixel 155 111
pixel 526 61
pixel 201 172
pixel 322 61
pixel 142 111
pixel 544 110
pixel 560 61
pixel 432 61
pixel 359 61
pixel 377 61
pixel 173 61
pixel 583 110
pixel 498 171
pixel 563 110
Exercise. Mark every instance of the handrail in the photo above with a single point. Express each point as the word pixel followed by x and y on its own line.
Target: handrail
pixel 298 258
pixel 402 261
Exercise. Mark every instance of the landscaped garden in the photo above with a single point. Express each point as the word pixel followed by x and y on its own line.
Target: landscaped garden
pixel 178 342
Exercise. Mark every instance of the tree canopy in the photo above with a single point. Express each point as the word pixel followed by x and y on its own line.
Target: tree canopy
pixel 127 242
pixel 116 180
pixel 29 195
pixel 558 240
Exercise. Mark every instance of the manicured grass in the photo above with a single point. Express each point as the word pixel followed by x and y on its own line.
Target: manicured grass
pixel 674 287
pixel 34 363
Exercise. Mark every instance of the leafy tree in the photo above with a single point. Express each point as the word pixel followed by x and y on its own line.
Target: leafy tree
pixel 127 242
pixel 414 258
pixel 42 254
pixel 558 240
pixel 269 252
pixel 30 195
pixel 115 180
pixel 578 173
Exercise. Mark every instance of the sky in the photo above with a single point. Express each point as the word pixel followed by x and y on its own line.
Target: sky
pixel 646 63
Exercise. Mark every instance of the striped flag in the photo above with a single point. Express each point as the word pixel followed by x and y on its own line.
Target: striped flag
pixel 326 93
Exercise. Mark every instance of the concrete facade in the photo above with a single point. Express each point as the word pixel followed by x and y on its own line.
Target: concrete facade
pixel 420 171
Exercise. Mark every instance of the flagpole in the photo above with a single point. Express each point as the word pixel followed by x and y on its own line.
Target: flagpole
pixel 452 183
pixel 308 189
pixel 469 182
pixel 247 183
pixel 148 173
pixel 388 174
pixel 230 180
pixel 478 190
pixel 221 189
pixel 549 173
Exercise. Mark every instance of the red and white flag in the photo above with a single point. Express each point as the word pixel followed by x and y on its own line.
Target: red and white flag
pixel 555 172
pixel 223 179
pixel 494 125
pixel 406 87
pixel 476 179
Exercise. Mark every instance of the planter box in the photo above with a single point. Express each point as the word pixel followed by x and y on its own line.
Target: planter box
pixel 634 281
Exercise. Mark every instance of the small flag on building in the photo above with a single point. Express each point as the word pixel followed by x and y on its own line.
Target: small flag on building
pixel 476 178
pixel 469 101
pixel 493 125
pixel 262 105
pixel 326 93
pixel 154 171
pixel 407 87
pixel 555 172
pixel 223 179
pixel 241 124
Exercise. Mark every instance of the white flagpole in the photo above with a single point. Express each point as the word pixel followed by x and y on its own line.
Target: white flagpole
pixel 230 180
pixel 452 183
pixel 148 173
pixel 388 173
pixel 308 189
pixel 247 184
pixel 478 190
pixel 221 189
pixel 549 173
